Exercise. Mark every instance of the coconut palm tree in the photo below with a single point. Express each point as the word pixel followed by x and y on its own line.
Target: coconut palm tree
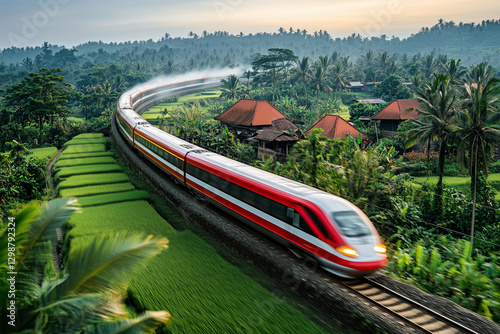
pixel 455 71
pixel 232 87
pixel 479 123
pixel 86 295
pixel 302 73
pixel 437 102
pixel 320 81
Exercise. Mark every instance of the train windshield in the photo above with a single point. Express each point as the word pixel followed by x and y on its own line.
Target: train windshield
pixel 351 224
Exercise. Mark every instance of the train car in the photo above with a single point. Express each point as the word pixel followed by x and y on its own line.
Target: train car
pixel 327 228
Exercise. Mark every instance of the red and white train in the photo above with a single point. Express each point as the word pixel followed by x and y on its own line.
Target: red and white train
pixel 325 227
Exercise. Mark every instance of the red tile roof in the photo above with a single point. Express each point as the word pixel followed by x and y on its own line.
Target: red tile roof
pixel 250 113
pixel 397 110
pixel 336 127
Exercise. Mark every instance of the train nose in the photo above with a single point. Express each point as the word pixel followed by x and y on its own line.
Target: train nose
pixel 368 248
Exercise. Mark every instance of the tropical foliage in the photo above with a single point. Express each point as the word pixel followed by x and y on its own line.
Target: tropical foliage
pixel 85 294
pixel 22 178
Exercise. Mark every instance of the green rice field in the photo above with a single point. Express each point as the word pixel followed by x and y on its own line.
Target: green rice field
pixel 84 161
pixel 206 294
pixel 96 190
pixel 82 141
pixel 124 196
pixel 64 156
pixel 88 135
pixel 85 148
pixel 93 179
pixel 86 169
pixel 152 113
pixel 203 292
pixel 44 153
pixel 462 183
pixel 133 216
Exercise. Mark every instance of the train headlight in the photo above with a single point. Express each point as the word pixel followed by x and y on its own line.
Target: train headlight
pixel 348 251
pixel 381 249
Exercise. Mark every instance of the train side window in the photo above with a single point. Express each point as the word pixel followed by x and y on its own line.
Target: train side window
pixel 296 220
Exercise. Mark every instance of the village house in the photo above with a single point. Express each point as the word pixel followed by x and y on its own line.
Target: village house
pixel 247 116
pixel 394 114
pixel 336 127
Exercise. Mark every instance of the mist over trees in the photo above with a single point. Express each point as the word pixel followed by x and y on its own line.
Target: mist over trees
pixel 472 42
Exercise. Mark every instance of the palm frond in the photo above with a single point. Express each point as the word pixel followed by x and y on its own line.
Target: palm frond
pixel 53 214
pixel 22 222
pixel 106 263
pixel 146 323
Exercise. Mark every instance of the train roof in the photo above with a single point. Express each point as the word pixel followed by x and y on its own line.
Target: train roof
pixel 325 200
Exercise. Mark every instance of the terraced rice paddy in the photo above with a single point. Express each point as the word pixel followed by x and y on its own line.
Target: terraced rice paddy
pixel 95 190
pixel 84 161
pixel 203 292
pixel 44 153
pixel 154 112
pixel 66 156
pixel 85 148
pixel 83 141
pixel 86 169
pixel 92 179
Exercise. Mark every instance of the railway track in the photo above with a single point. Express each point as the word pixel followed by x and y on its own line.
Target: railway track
pixel 402 307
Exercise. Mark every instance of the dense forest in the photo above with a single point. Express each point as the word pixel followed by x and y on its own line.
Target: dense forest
pixel 472 42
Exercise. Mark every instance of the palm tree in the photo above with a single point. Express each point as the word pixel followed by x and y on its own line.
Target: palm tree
pixel 437 101
pixel 339 76
pixel 86 295
pixel 232 87
pixel 479 123
pixel 302 73
pixel 320 81
pixel 455 71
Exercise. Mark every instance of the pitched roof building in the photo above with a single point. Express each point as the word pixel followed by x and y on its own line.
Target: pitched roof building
pixel 336 127
pixel 253 114
pixel 396 112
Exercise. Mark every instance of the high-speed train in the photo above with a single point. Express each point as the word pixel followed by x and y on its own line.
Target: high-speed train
pixel 313 223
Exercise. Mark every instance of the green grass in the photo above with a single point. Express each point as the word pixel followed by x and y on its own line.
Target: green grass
pixel 83 141
pixel 95 190
pixel 127 196
pixel 206 294
pixel 44 153
pixel 88 135
pixel 85 148
pixel 92 179
pixel 64 156
pixel 152 113
pixel 76 119
pixel 84 161
pixel 461 183
pixel 86 169
pixel 137 216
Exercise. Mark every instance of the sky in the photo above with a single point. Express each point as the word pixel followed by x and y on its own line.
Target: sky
pixel 72 22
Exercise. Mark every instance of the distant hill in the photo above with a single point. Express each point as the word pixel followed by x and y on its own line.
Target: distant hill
pixel 471 42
